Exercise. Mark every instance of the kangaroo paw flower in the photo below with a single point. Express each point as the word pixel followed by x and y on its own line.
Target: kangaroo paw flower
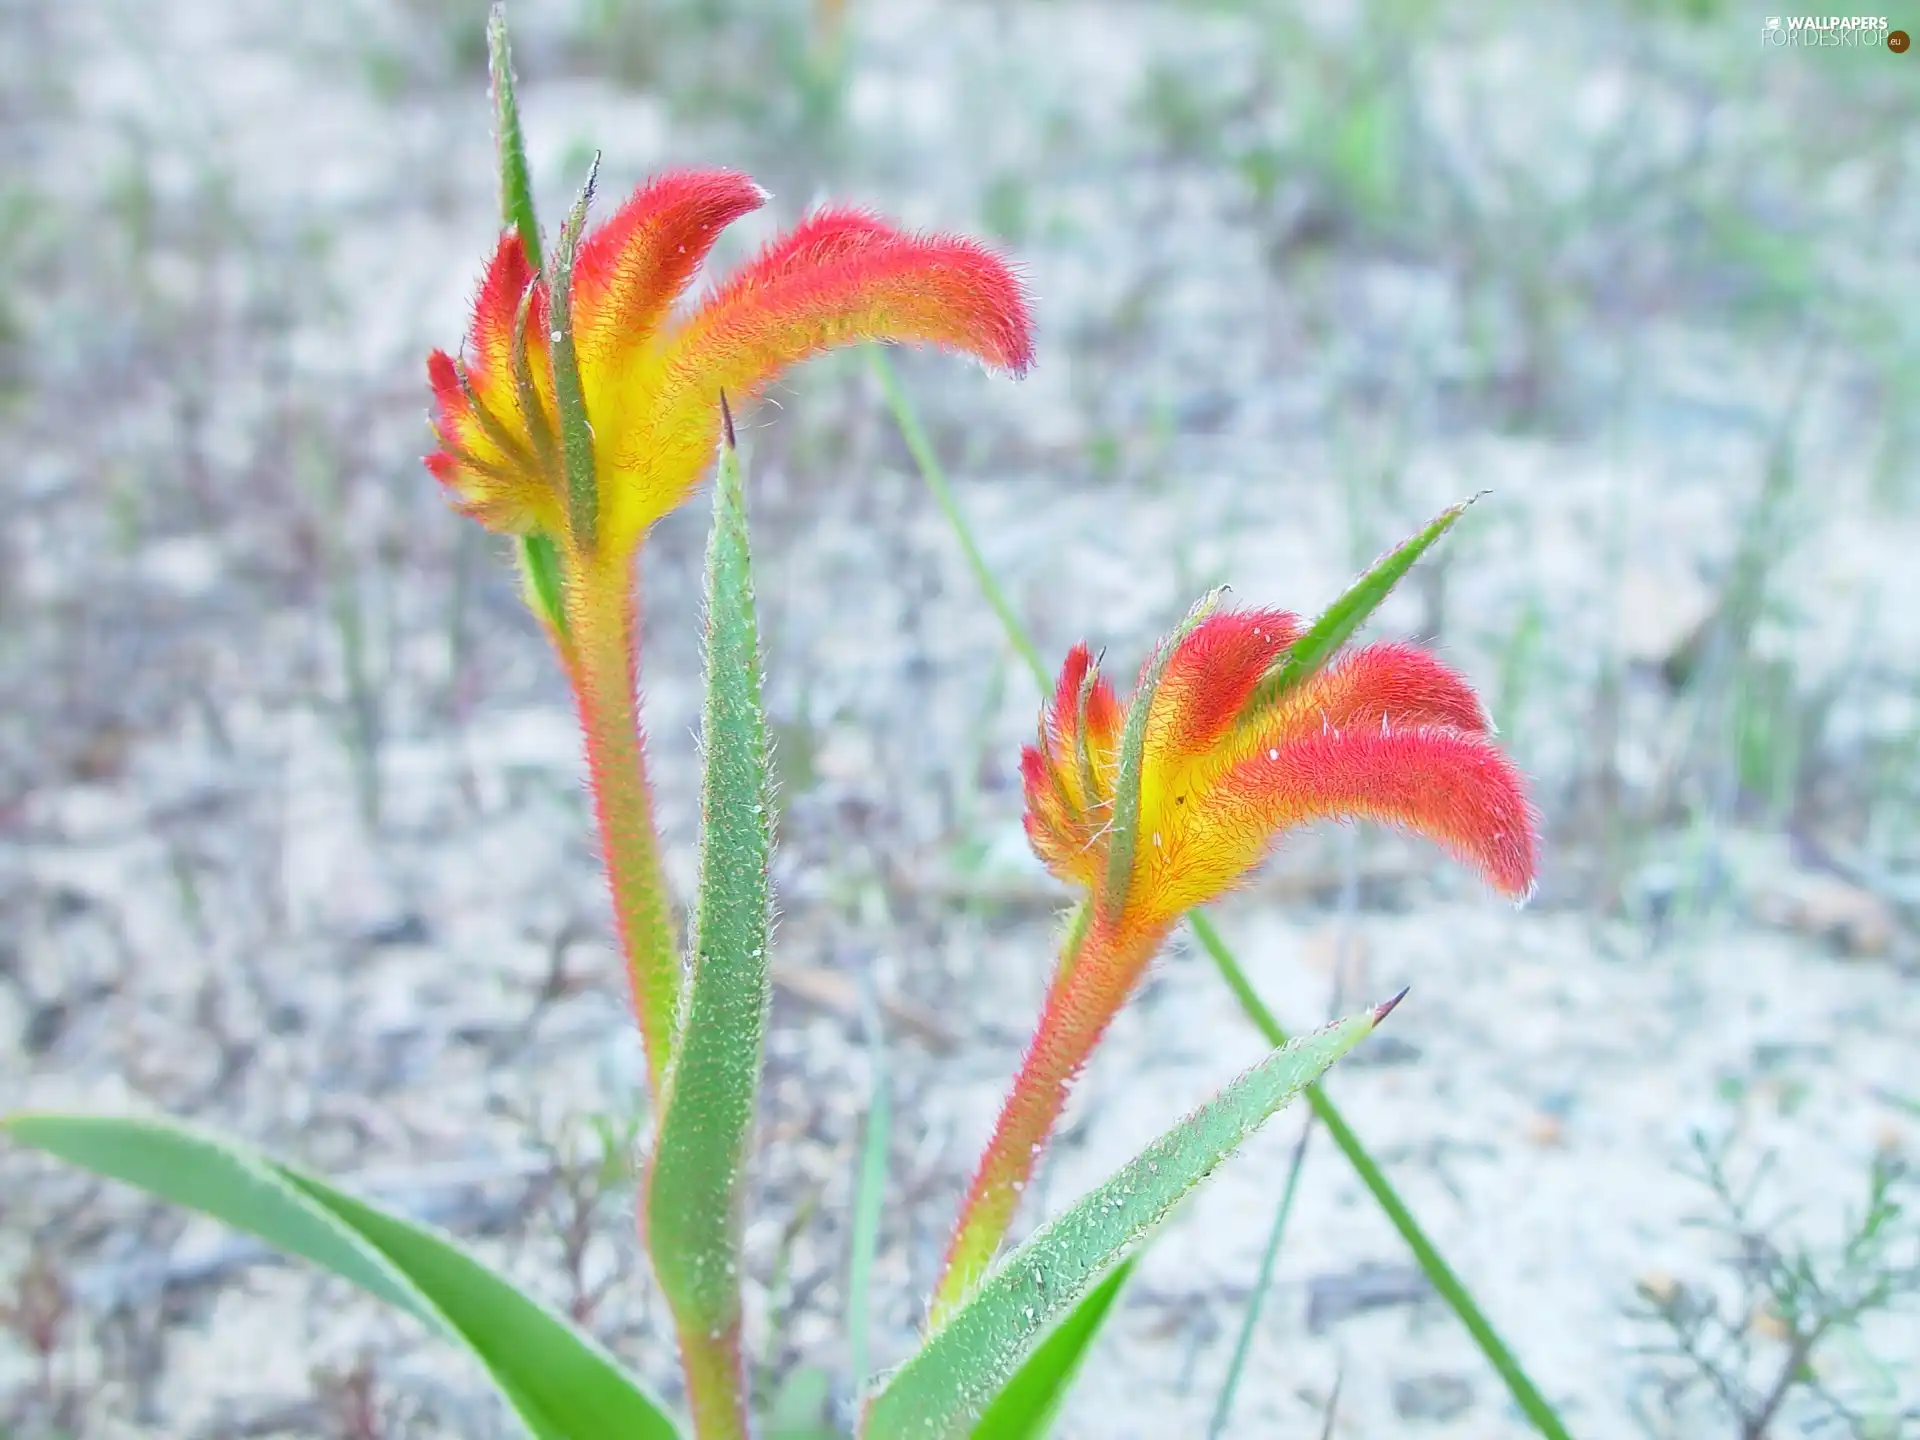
pixel 1166 803
pixel 1387 732
pixel 650 383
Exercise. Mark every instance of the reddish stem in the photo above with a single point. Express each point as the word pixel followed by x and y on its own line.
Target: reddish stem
pixel 602 657
pixel 1088 990
pixel 602 662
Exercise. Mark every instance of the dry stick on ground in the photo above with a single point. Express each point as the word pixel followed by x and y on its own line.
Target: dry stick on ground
pixel 38 1316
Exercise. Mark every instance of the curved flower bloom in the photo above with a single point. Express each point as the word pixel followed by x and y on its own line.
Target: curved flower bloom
pixel 1162 805
pixel 651 385
pixel 1387 733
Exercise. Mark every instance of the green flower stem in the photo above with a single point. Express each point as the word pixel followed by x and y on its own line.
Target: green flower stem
pixel 716 1387
pixel 603 666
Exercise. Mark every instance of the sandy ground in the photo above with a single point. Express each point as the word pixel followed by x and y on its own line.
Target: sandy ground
pixel 292 838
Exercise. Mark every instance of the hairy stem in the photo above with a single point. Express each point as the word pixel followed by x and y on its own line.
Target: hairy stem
pixel 716 1382
pixel 603 663
pixel 1089 988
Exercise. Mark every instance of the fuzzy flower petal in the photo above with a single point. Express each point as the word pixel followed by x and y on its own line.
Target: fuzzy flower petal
pixel 1401 685
pixel 631 269
pixel 1068 775
pixel 1386 733
pixel 651 387
pixel 510 282
pixel 844 275
pixel 839 278
pixel 1453 788
pixel 1210 677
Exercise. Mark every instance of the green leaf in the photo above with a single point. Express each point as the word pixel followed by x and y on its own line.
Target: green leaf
pixel 1026 1408
pixel 510 145
pixel 576 434
pixel 694 1196
pixel 541 579
pixel 1336 625
pixel 868 1198
pixel 799 1409
pixel 944 1389
pixel 539 559
pixel 556 1378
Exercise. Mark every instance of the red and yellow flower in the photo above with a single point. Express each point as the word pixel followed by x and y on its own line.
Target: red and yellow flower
pixel 652 382
pixel 1164 804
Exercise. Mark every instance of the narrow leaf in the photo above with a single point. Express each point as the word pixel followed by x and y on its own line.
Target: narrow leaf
pixel 559 1381
pixel 1262 1281
pixel 539 559
pixel 799 1408
pixel 576 433
pixel 1340 620
pixel 510 145
pixel 1026 1408
pixel 944 1389
pixel 935 476
pixel 540 580
pixel 868 1197
pixel 694 1200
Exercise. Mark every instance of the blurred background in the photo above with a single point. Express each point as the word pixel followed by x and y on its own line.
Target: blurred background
pixel 292 836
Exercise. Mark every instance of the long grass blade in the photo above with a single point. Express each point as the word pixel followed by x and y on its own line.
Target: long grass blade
pixel 868 1195
pixel 935 476
pixel 1262 1282
pixel 1534 1405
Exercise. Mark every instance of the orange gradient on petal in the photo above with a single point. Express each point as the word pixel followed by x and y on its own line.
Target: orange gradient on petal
pixel 652 383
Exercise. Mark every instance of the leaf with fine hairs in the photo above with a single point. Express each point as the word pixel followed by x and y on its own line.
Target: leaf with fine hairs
pixel 944 1389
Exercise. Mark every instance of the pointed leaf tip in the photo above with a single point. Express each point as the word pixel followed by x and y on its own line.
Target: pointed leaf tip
pixel 726 422
pixel 569 395
pixel 516 191
pixel 1385 1008
pixel 1323 639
